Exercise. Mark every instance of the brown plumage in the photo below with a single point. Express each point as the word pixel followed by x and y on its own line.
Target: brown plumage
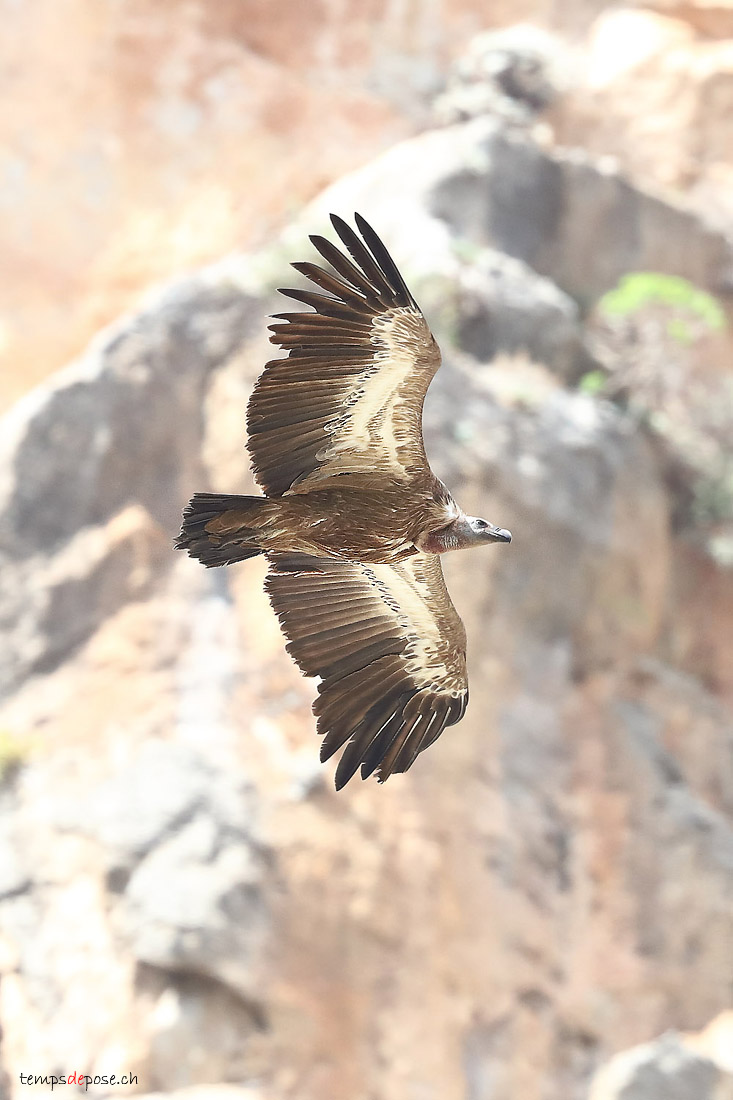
pixel 353 520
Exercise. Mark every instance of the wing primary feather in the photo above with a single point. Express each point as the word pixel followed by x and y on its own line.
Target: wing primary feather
pixel 310 297
pixel 328 306
pixel 381 291
pixel 318 321
pixel 411 746
pixel 353 753
pixel 331 357
pixel 341 730
pixel 365 731
pixel 302 338
pixel 373 754
pixel 392 752
pixel 385 261
pixel 363 256
pixel 422 736
pixel 329 282
pixel 458 709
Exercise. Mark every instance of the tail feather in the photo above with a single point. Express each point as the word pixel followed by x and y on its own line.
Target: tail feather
pixel 225 545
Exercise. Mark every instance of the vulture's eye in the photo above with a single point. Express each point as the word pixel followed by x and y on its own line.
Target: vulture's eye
pixel 481 523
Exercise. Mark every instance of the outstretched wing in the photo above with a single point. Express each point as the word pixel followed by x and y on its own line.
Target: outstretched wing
pixel 348 398
pixel 390 649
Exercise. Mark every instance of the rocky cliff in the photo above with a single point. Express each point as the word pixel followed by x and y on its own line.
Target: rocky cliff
pixel 183 895
pixel 162 136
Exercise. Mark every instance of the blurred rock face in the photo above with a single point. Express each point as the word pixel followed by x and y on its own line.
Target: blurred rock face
pixel 164 135
pixel 147 146
pixel 182 893
pixel 658 93
pixel 515 73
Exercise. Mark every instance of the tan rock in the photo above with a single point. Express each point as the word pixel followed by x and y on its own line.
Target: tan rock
pixel 713 18
pixel 147 147
pixel 657 94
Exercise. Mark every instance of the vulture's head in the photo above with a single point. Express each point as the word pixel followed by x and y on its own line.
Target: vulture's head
pixel 480 530
pixel 461 533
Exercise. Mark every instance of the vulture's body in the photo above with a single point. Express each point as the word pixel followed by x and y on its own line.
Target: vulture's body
pixel 353 520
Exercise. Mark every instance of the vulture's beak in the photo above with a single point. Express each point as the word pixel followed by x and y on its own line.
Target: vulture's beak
pixel 498 534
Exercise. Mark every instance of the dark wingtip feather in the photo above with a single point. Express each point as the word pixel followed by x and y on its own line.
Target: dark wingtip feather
pixel 339 224
pixel 381 254
pixel 341 781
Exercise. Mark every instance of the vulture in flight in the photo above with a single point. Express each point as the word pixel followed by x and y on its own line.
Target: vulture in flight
pixel 353 521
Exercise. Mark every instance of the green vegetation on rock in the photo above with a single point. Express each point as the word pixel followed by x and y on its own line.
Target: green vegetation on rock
pixel 640 289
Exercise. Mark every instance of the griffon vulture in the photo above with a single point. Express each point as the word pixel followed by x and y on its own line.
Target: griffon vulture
pixel 353 520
